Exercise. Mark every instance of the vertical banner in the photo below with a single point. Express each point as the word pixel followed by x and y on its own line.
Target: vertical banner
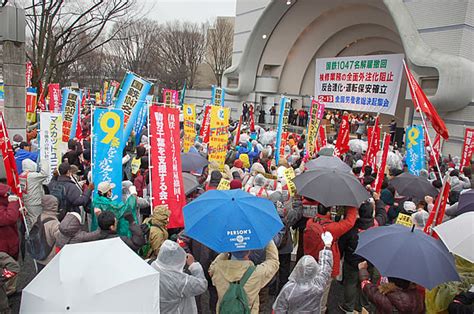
pixel 70 106
pixel 6 149
pixel 2 94
pixel 312 130
pixel 170 97
pixel 206 123
pixel 114 87
pixel 98 100
pixel 342 143
pixel 218 96
pixel 105 89
pixel 383 163
pixel 182 94
pixel 142 118
pixel 282 126
pixel 218 135
pixel 321 140
pixel 467 148
pixel 133 92
pixel 435 151
pixel 28 74
pixel 237 132
pixel 30 105
pixel 165 176
pixel 54 93
pixel 437 213
pixel 415 159
pixel 373 145
pixel 50 141
pixel 107 146
pixel 189 112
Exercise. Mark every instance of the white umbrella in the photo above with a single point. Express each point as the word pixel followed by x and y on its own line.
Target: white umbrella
pixel 99 276
pixel 358 146
pixel 458 235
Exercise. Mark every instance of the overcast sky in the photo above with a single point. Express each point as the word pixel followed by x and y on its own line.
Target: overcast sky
pixel 188 10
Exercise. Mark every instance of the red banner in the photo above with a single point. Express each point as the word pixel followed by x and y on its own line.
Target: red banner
pixel 54 92
pixel 206 125
pixel 342 143
pixel 170 97
pixel 373 145
pixel 165 175
pixel 435 151
pixel 252 119
pixel 30 105
pixel 28 74
pixel 41 101
pixel 383 163
pixel 8 158
pixel 467 148
pixel 321 140
pixel 436 215
pixel 237 134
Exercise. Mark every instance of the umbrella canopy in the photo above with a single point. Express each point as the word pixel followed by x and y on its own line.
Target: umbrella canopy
pixel 397 251
pixel 326 151
pixel 331 187
pixel 458 235
pixel 466 202
pixel 99 276
pixel 190 183
pixel 413 186
pixel 233 220
pixel 358 146
pixel 328 162
pixel 192 162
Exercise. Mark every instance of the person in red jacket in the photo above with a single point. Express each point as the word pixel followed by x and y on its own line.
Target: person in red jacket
pixel 337 229
pixel 9 215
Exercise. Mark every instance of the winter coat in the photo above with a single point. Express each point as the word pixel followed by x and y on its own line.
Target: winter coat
pixel 135 242
pixel 224 271
pixel 204 255
pixel 460 183
pixel 51 227
pixel 140 182
pixel 32 183
pixel 304 290
pixel 75 197
pixel 389 298
pixel 21 155
pixel 9 215
pixel 71 231
pixel 178 289
pixel 158 232
pixel 119 209
pixel 8 263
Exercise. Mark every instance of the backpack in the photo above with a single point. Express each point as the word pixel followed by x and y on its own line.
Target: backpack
pixel 235 299
pixel 36 244
pixel 145 250
pixel 59 191
pixel 312 242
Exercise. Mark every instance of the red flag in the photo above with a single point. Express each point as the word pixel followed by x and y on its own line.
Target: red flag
pixel 206 125
pixel 237 134
pixel 41 102
pixel 435 150
pixel 467 148
pixel 79 122
pixel 438 210
pixel 381 170
pixel 54 93
pixel 373 145
pixel 342 143
pixel 422 103
pixel 28 74
pixel 252 119
pixel 9 159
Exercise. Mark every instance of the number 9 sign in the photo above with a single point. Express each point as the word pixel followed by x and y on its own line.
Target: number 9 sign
pixel 110 124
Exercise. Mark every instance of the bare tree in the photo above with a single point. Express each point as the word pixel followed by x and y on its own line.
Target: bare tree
pixel 219 47
pixel 62 32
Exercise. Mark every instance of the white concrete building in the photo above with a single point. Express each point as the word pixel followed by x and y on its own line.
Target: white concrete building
pixel 276 43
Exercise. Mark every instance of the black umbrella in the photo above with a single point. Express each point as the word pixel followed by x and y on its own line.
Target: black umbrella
pixel 192 162
pixel 328 162
pixel 331 187
pixel 413 186
pixel 190 183
pixel 466 202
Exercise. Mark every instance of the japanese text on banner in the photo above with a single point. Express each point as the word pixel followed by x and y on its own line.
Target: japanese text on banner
pixel 107 149
pixel 70 104
pixel 467 149
pixel 218 95
pixel 166 175
pixel 218 136
pixel 170 97
pixel 189 112
pixel 415 149
pixel 30 106
pixel 282 127
pixel 50 142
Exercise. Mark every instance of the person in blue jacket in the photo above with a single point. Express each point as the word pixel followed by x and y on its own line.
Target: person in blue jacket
pixel 24 153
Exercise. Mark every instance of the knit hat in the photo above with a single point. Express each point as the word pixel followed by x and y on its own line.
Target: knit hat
pixel 238 163
pixel 366 210
pixel 409 206
pixel 235 184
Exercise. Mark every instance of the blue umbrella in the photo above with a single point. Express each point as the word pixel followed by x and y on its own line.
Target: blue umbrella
pixel 233 220
pixel 411 255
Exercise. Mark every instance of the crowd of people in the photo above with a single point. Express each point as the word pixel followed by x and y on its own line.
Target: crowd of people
pixel 292 274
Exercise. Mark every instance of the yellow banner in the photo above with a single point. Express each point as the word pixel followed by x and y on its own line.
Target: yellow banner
pixel 218 135
pixel 224 184
pixel 289 176
pixel 98 100
pixel 404 220
pixel 189 114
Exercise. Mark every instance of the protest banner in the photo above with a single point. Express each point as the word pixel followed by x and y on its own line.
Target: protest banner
pixel 467 149
pixel 359 83
pixel 289 174
pixel 437 213
pixel 170 97
pixel 142 118
pixel 98 100
pixel 206 124
pixel 51 144
pixel 114 88
pixel 404 220
pixel 342 143
pixel 285 104
pixel 218 96
pixel 70 103
pixel 8 157
pixel 41 100
pixel 107 146
pixel 166 178
pixel 415 146
pixel 2 94
pixel 28 74
pixel 182 94
pixel 252 118
pixel 105 89
pixel 383 163
pixel 218 136
pixel 314 125
pixel 30 105
pixel 189 113
pixel 223 184
pixel 54 93
pixel 133 91
pixel 373 147
pixel 322 140
pixel 435 151
pixel 237 132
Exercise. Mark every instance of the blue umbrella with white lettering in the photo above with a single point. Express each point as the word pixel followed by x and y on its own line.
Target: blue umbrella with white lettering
pixel 231 220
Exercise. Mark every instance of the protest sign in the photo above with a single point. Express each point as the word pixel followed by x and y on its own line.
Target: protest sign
pixel 218 135
pixel 223 184
pixel 166 178
pixel 415 146
pixel 467 148
pixel 107 146
pixel 189 113
pixel 404 220
pixel 218 96
pixel 51 144
pixel 54 93
pixel 170 97
pixel 70 100
pixel 289 174
pixel 359 83
pixel 285 104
